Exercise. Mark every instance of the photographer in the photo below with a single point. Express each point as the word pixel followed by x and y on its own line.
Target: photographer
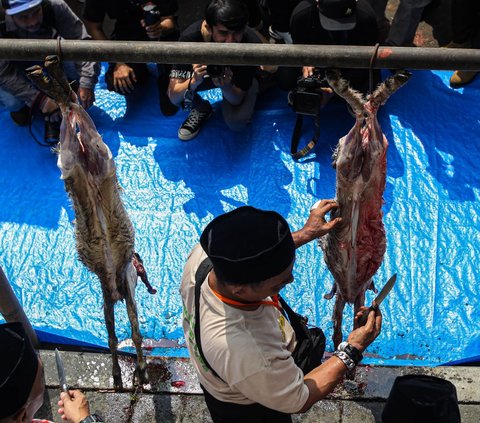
pixel 225 22
pixel 334 22
pixel 135 20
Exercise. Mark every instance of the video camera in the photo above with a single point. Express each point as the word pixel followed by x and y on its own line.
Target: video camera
pixel 150 9
pixel 306 98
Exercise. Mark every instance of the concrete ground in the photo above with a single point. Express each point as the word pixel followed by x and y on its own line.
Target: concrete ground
pixel 174 394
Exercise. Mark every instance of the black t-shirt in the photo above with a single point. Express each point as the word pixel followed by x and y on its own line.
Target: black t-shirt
pixel 305 28
pixel 127 16
pixel 242 75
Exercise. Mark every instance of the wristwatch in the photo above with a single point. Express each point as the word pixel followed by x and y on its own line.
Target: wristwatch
pixel 352 352
pixel 92 418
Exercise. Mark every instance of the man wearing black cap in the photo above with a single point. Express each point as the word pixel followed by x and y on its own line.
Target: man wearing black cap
pixel 337 22
pixel 22 383
pixel 242 350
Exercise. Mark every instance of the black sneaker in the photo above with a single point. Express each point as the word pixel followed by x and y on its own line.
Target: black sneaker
pixel 192 125
pixel 52 132
pixel 22 117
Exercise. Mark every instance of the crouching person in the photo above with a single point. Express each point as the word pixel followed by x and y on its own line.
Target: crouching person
pixel 42 19
pixel 22 383
pixel 225 22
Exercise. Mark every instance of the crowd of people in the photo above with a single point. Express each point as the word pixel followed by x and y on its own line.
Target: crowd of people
pixel 314 22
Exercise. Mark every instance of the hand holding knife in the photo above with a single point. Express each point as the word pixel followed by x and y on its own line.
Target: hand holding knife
pixel 61 372
pixel 376 302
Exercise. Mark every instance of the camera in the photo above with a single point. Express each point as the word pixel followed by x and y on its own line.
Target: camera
pixel 306 98
pixel 215 71
pixel 151 14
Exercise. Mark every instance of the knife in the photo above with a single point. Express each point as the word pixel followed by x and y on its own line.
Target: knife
pixel 61 372
pixel 380 297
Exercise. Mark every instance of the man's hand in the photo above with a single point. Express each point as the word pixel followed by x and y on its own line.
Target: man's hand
pixel 163 26
pixel 124 78
pixel 199 72
pixel 316 226
pixel 73 407
pixel 86 96
pixel 363 336
pixel 307 71
pixel 48 106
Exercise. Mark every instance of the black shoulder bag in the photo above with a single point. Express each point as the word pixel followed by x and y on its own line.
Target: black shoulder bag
pixel 310 347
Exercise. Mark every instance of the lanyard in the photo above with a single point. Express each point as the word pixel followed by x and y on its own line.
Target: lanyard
pixel 275 303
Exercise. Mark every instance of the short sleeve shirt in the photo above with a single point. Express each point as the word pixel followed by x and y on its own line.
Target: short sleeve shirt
pixel 249 350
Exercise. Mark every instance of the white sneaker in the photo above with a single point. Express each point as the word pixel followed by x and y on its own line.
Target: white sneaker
pixel 280 36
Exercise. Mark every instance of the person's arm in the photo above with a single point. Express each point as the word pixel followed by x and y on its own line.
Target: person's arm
pixel 95 29
pixel 322 380
pixel 233 94
pixel 163 27
pixel 316 226
pixel 74 407
pixel 178 86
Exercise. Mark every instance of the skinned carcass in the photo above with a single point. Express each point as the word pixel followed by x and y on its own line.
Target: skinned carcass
pixel 104 233
pixel 354 249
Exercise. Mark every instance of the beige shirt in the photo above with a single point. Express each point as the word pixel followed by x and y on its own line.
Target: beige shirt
pixel 250 350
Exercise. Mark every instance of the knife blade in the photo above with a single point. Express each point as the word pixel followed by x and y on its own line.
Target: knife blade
pixel 379 298
pixel 61 372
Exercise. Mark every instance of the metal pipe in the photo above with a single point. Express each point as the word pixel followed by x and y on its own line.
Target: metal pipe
pixel 11 309
pixel 243 53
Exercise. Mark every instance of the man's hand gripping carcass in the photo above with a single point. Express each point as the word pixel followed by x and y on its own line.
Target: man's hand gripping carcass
pixel 104 234
pixel 354 249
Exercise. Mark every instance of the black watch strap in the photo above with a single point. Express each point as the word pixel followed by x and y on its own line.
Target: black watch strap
pixel 92 418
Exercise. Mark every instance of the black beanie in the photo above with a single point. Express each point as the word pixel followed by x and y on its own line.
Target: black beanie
pixel 421 399
pixel 18 368
pixel 248 245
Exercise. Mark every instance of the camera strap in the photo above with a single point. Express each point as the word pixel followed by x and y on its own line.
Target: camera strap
pixel 297 130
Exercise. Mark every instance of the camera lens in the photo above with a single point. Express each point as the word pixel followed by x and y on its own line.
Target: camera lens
pixel 215 71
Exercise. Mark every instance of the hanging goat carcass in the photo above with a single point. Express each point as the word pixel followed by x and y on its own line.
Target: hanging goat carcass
pixel 354 249
pixel 104 233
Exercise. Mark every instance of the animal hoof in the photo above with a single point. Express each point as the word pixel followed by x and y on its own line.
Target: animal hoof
pixel 140 376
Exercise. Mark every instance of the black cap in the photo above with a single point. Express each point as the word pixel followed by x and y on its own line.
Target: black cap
pixel 18 368
pixel 337 15
pixel 248 245
pixel 421 399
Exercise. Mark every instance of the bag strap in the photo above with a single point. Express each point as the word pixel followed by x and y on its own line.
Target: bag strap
pixel 297 321
pixel 200 276
pixel 298 154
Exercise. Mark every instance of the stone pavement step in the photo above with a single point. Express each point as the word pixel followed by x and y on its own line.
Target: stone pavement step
pixel 174 396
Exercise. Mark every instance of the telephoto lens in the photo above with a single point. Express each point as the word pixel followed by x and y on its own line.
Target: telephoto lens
pixel 215 71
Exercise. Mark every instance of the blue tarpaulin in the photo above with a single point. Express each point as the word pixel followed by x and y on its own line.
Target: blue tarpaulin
pixel 172 189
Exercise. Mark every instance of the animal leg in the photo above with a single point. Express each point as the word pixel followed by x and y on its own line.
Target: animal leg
pixel 387 88
pixel 141 370
pixel 343 89
pixel 337 320
pixel 108 310
pixel 359 302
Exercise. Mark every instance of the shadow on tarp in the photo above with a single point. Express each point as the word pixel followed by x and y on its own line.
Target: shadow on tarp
pixel 172 189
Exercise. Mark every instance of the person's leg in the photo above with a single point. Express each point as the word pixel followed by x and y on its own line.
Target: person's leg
pixel 166 106
pixel 466 34
pixel 19 112
pixel 405 22
pixel 237 117
pixel 200 113
pixel 223 412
